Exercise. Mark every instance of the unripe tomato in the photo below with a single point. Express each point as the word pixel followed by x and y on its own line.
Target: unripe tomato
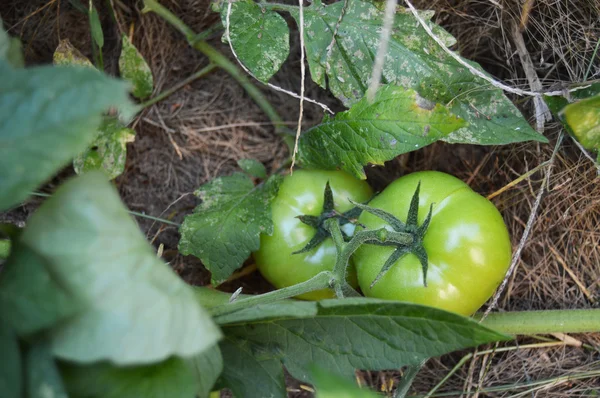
pixel 302 194
pixel 467 245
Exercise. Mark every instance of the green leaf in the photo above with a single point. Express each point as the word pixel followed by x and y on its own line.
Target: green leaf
pixel 207 368
pixel 225 228
pixel 66 54
pixel 131 298
pixel 108 151
pixel 329 385
pixel 583 119
pixel 253 167
pixel 10 365
pixel 134 68
pixel 575 92
pixel 96 26
pixel 345 335
pixel 260 38
pixel 10 49
pixel 398 121
pixel 43 378
pixel 414 61
pixel 32 296
pixel 4 249
pixel 171 378
pixel 48 115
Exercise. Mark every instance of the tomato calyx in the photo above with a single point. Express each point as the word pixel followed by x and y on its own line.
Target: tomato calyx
pixel 328 212
pixel 410 227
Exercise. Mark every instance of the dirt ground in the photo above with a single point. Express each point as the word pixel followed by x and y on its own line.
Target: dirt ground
pixel 199 132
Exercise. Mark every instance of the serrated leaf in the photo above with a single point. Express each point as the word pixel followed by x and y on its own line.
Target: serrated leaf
pixel 48 115
pixel 329 385
pixel 10 49
pixel 207 368
pixel 259 37
pixel 171 378
pixel 43 378
pixel 130 298
pixel 398 121
pixel 108 151
pixel 66 54
pixel 414 61
pixel 583 119
pixel 225 228
pixel 345 335
pixel 10 366
pixel 135 69
pixel 253 167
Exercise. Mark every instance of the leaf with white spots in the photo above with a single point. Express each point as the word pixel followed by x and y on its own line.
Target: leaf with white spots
pixel 396 122
pixel 413 61
pixel 108 152
pixel 225 228
pixel 135 69
pixel 260 38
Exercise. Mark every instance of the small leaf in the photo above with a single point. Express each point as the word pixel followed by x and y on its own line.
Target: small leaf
pixel 96 27
pixel 345 335
pixel 10 49
pixel 108 151
pixel 131 299
pixel 253 167
pixel 329 385
pixel 396 122
pixel 225 228
pixel 10 365
pixel 173 378
pixel 67 54
pixel 135 69
pixel 575 92
pixel 43 378
pixel 48 115
pixel 259 37
pixel 413 61
pixel 583 119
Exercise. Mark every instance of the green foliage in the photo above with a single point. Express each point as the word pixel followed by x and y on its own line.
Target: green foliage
pixel 583 119
pixel 10 365
pixel 43 378
pixel 396 122
pixel 124 296
pixel 66 54
pixel 134 68
pixel 172 378
pixel 344 335
pixel 96 27
pixel 49 115
pixel 225 228
pixel 414 61
pixel 329 385
pixel 108 151
pixel 207 368
pixel 253 168
pixel 259 37
pixel 10 49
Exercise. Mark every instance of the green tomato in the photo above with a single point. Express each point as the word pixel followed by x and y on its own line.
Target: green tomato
pixel 302 194
pixel 467 245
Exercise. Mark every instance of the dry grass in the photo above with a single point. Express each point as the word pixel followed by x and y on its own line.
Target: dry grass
pixel 202 130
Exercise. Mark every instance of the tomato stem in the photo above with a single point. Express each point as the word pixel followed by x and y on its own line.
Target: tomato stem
pixel 543 322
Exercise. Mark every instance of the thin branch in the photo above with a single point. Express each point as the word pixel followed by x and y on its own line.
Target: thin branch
pixel 384 40
pixel 302 77
pixel 526 232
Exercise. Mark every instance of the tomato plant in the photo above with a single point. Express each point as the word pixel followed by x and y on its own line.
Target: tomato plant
pixel 301 194
pixel 467 246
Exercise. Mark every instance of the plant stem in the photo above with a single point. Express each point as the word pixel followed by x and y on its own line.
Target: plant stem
pixel 544 322
pixel 320 281
pixel 219 60
pixel 162 220
pixel 204 71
